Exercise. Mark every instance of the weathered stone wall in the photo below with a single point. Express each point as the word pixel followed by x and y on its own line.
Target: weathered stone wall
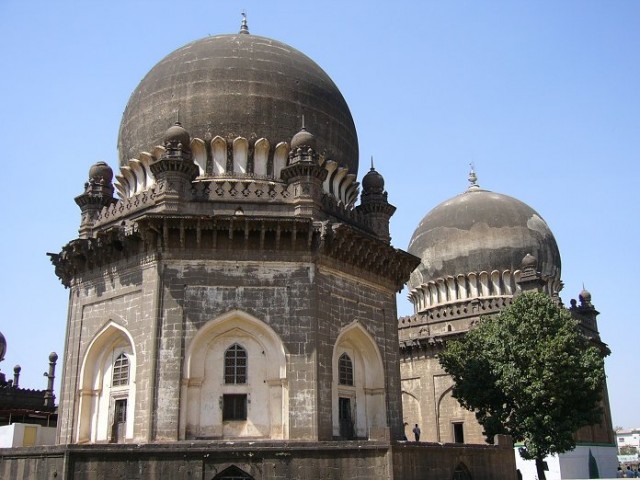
pixel 342 300
pixel 126 295
pixel 436 461
pixel 263 461
pixel 426 395
pixel 164 301
pixel 279 293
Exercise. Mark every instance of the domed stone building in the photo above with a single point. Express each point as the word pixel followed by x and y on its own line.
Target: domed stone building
pixel 478 250
pixel 234 291
pixel 232 288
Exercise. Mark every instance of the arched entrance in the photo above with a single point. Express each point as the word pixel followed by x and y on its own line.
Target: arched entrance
pixel 107 387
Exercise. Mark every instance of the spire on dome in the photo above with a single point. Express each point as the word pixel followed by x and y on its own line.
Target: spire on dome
pixel 372 167
pixel 244 28
pixel 473 179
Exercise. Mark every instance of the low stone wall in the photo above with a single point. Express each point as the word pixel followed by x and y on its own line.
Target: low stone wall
pixel 263 461
pixel 452 461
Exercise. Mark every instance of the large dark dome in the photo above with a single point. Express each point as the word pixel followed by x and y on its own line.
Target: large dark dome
pixel 480 231
pixel 239 86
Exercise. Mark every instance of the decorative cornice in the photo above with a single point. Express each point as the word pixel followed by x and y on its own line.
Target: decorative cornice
pixel 445 291
pixel 223 234
pixel 85 254
pixel 175 165
pixel 219 158
pixel 303 170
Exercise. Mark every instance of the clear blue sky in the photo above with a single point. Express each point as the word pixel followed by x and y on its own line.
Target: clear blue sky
pixel 542 96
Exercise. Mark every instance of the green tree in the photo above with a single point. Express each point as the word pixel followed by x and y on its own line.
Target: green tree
pixel 529 372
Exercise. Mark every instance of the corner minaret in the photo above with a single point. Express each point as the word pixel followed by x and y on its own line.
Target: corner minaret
pixel 530 279
pixel 304 174
pixel 374 205
pixel 98 193
pixel 174 171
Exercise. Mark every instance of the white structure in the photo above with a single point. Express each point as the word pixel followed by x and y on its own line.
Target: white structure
pixel 628 438
pixel 572 465
pixel 26 435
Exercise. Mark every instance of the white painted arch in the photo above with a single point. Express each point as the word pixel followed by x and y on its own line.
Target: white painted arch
pixel 368 392
pixel 94 414
pixel 203 385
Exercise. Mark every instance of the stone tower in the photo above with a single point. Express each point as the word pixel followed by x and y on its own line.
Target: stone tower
pixel 232 289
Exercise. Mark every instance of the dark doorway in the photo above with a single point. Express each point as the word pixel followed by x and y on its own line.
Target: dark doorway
pixel 458 433
pixel 346 419
pixel 119 421
pixel 462 472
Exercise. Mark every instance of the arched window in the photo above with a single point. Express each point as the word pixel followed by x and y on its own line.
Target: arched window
pixel 120 375
pixel 235 365
pixel 345 370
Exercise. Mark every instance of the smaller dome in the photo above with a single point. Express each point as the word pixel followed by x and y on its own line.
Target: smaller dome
pixel 529 261
pixel 100 171
pixel 3 346
pixel 177 135
pixel 303 139
pixel 478 231
pixel 585 296
pixel 372 182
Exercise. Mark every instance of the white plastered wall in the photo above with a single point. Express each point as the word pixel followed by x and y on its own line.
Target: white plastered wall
pixel 367 394
pixel 96 394
pixel 203 383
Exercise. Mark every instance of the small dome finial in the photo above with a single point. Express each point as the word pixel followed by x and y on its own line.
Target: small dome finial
pixel 372 168
pixel 473 178
pixel 244 28
pixel 303 138
pixel 585 297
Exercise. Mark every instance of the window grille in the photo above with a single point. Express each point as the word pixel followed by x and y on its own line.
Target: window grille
pixel 235 365
pixel 120 374
pixel 345 370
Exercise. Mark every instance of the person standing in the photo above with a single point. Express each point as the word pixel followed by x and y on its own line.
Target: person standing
pixel 416 432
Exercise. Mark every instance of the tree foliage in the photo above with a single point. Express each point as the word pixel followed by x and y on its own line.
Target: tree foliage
pixel 530 373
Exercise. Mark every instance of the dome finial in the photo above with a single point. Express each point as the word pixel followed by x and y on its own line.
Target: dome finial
pixel 372 168
pixel 244 28
pixel 585 297
pixel 303 138
pixel 473 178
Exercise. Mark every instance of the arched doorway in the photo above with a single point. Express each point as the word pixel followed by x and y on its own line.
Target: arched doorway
pixel 358 384
pixel 107 387
pixel 235 383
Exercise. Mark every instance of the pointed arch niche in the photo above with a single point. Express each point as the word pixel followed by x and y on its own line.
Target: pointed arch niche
pixel 107 387
pixel 454 420
pixel 256 406
pixel 357 406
